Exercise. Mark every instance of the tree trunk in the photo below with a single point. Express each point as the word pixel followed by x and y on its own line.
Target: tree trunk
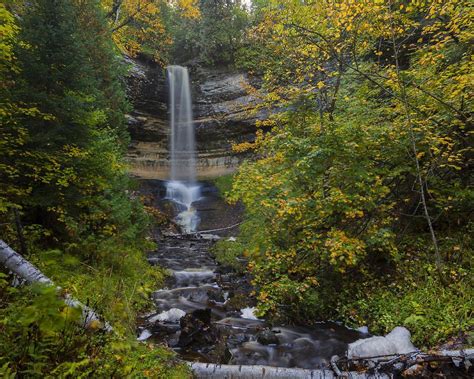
pixel 19 232
pixel 216 371
pixel 31 274
pixel 20 266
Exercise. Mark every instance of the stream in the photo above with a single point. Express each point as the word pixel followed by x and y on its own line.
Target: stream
pixel 205 312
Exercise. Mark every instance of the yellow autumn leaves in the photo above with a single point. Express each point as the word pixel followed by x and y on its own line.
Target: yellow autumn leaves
pixel 139 25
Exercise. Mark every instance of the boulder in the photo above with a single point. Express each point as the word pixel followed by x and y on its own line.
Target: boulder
pixel 400 337
pixel 267 337
pixel 197 331
pixel 249 313
pixel 144 335
pixel 172 316
pixel 363 329
pixel 395 343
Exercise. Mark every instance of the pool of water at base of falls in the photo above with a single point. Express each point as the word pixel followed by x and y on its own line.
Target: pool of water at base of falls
pixel 205 313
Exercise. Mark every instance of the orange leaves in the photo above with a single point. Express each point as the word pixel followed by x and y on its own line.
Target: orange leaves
pixel 262 296
pixel 243 147
pixel 136 23
pixel 326 193
pixel 343 251
pixel 189 8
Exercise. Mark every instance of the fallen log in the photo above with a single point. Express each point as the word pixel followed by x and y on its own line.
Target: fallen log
pixel 410 364
pixel 216 371
pixel 26 271
pixel 418 356
pixel 464 357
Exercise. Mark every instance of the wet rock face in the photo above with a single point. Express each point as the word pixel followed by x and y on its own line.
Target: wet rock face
pixel 146 89
pixel 212 209
pixel 220 108
pixel 222 86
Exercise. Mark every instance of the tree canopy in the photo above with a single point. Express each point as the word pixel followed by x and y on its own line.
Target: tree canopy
pixel 66 200
pixel 372 153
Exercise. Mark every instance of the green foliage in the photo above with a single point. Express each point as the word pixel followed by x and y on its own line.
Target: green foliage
pixel 41 337
pixel 37 323
pixel 214 38
pixel 229 254
pixel 117 287
pixel 333 199
pixel 62 169
pixel 66 166
pixel 13 133
pixel 429 310
pixel 117 284
pixel 414 296
pixel 224 183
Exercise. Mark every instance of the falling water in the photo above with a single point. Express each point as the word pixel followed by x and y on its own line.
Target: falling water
pixel 182 188
pixel 183 161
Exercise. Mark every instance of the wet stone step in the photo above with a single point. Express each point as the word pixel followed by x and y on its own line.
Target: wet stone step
pixel 196 257
pixel 200 294
pixel 190 255
pixel 190 277
pixel 176 264
pixel 188 306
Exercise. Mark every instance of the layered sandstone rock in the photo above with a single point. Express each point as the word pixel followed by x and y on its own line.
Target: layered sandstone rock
pixel 221 108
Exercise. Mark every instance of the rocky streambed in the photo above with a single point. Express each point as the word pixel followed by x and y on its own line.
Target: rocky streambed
pixel 205 314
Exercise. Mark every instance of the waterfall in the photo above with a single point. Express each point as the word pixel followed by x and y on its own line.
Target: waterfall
pixel 182 146
pixel 182 188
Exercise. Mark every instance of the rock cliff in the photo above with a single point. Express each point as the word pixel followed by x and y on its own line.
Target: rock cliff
pixel 220 108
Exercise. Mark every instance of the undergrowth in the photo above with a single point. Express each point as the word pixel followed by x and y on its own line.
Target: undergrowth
pixel 407 291
pixel 228 254
pixel 434 308
pixel 41 337
pixel 224 183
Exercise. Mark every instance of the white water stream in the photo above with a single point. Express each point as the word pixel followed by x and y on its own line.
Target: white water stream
pixel 182 188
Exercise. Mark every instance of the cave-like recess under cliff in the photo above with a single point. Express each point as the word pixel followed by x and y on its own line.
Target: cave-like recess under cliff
pixel 221 112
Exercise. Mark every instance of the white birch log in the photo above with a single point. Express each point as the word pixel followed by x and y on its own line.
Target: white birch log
pixel 20 266
pixel 419 356
pixel 464 353
pixel 216 371
pixel 31 274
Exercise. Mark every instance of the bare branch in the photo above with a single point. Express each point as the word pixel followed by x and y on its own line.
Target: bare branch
pixel 405 102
